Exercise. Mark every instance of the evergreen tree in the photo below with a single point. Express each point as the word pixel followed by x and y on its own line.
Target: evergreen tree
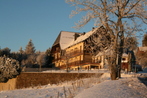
pixel 48 57
pixel 21 50
pixel 5 51
pixel 30 49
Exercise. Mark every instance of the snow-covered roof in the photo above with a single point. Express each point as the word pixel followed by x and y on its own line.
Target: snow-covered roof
pixel 64 38
pixel 81 38
pixel 67 39
pixel 143 48
pixel 124 54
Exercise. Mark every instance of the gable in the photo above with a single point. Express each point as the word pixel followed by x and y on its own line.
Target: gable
pixel 64 38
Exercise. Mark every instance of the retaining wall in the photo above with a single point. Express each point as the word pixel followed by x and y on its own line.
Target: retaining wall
pixel 32 79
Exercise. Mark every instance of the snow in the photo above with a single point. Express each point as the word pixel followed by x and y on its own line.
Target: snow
pixel 65 38
pixel 82 38
pixel 116 89
pixel 143 48
pixel 127 87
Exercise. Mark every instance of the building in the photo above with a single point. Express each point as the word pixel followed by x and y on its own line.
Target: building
pixel 72 50
pixel 144 41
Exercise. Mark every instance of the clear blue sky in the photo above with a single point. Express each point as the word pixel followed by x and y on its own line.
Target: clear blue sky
pixel 39 20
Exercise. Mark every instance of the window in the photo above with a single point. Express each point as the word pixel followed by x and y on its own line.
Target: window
pixel 80 49
pixel 123 59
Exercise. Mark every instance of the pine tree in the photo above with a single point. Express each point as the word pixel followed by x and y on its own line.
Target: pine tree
pixel 30 49
pixel 21 50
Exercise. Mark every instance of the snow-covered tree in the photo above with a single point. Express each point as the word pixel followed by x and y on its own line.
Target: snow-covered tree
pixel 119 17
pixel 41 60
pixel 30 49
pixel 9 68
pixel 21 50
pixel 130 43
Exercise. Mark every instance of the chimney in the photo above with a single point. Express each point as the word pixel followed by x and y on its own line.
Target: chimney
pixel 76 36
pixel 93 28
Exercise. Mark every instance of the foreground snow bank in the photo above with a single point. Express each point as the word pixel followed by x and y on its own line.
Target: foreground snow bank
pixel 123 88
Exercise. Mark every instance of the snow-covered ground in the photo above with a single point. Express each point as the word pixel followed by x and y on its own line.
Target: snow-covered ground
pixel 126 87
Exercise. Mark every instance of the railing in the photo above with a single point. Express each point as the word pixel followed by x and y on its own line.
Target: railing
pixel 77 63
pixel 74 53
pixel 57 59
pixel 71 54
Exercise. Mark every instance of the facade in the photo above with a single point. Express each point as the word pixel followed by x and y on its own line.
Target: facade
pixel 144 41
pixel 141 50
pixel 71 51
pixel 74 51
pixel 139 54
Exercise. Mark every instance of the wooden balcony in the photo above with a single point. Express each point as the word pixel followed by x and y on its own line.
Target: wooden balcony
pixel 74 53
pixel 77 63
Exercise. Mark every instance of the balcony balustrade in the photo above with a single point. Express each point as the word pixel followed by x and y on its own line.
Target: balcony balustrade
pixel 78 63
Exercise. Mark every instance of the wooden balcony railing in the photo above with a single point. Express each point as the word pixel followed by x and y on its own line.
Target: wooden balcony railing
pixel 77 63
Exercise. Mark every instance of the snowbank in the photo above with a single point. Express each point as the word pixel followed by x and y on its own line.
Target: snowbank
pixel 123 88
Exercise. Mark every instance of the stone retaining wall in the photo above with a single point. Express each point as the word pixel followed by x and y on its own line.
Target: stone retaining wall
pixel 25 80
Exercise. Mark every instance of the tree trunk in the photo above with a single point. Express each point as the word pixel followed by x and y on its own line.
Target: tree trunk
pixel 40 68
pixel 113 65
pixel 113 73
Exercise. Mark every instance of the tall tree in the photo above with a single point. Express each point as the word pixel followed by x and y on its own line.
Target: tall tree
pixel 21 50
pixel 119 17
pixel 5 51
pixel 48 57
pixel 41 60
pixel 130 43
pixel 30 49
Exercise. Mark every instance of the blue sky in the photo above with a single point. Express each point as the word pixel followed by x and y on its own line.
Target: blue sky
pixel 39 20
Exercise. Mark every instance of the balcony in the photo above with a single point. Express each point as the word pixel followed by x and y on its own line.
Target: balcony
pixel 57 59
pixel 77 63
pixel 74 53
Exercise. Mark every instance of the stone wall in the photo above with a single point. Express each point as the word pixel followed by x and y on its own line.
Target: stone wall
pixel 26 79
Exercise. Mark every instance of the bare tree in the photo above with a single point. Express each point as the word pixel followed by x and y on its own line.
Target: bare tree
pixel 41 60
pixel 119 17
pixel 130 43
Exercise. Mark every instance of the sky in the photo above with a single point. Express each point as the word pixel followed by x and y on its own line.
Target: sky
pixel 39 20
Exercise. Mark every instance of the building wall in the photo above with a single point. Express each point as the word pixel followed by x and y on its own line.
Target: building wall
pixel 100 60
pixel 75 55
pixel 72 55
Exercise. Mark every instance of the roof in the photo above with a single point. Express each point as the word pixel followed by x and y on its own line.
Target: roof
pixel 64 38
pixel 142 48
pixel 124 54
pixel 82 37
pixel 67 39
